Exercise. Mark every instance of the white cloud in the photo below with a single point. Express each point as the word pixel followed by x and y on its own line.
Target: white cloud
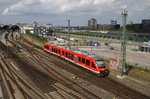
pixel 85 2
pixel 103 2
pixel 77 8
pixel 18 7
pixel 55 6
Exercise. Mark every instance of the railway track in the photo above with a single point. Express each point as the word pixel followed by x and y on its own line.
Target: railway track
pixel 22 88
pixel 48 62
pixel 108 84
pixel 75 90
pixel 64 80
pixel 54 84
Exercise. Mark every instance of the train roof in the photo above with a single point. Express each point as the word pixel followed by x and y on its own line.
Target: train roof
pixel 94 56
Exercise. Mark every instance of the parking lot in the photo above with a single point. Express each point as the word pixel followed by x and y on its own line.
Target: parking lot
pixel 135 58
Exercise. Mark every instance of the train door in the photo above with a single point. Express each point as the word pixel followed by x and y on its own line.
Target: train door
pixel 79 60
pixel 93 66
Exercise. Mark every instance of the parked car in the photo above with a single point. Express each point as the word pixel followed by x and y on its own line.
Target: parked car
pixel 107 43
pixel 147 43
pixel 94 43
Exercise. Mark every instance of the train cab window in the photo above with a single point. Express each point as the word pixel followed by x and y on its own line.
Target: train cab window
pixel 47 47
pixel 88 62
pixel 83 60
pixel 93 66
pixel 79 59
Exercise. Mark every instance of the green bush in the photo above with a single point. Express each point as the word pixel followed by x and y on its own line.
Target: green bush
pixel 145 39
pixel 130 37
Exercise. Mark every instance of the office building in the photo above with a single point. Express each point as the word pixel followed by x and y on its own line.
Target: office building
pixel 92 24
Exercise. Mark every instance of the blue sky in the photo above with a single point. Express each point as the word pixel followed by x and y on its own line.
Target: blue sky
pixel 79 12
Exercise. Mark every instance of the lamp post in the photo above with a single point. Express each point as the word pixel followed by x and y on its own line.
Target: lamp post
pixel 1 32
pixel 34 28
pixel 69 33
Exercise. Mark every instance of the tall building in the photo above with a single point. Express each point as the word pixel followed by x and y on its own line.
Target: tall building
pixel 146 21
pixel 43 31
pixel 113 22
pixel 92 24
pixel 146 25
pixel 113 25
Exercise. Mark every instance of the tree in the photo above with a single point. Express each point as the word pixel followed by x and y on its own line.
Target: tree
pixel 118 36
pixel 135 38
pixel 145 39
pixel 130 37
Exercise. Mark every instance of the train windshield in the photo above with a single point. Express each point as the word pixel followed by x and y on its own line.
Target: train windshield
pixel 100 63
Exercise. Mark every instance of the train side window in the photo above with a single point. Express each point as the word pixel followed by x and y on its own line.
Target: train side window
pixel 83 60
pixel 63 53
pixel 72 56
pixel 93 66
pixel 56 51
pixel 66 54
pixel 87 62
pixel 59 51
pixel 79 59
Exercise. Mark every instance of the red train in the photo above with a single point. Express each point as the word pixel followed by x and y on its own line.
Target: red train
pixel 80 58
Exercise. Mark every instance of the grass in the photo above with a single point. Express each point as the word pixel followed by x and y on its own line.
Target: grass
pixel 139 73
pixel 38 38
pixel 134 72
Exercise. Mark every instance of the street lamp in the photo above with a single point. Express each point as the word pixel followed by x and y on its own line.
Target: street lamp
pixel 34 28
pixel 69 33
pixel 1 31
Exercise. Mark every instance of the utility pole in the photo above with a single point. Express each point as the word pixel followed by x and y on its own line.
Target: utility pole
pixel 1 33
pixel 91 48
pixel 69 33
pixel 122 68
pixel 16 44
pixel 34 28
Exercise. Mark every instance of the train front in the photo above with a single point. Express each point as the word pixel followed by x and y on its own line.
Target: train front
pixel 103 70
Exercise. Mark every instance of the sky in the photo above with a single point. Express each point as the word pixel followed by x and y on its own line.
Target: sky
pixel 57 12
